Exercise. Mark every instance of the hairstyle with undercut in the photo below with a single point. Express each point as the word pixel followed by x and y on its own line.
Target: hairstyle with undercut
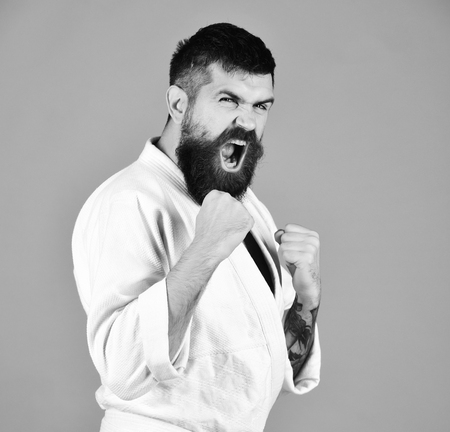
pixel 231 47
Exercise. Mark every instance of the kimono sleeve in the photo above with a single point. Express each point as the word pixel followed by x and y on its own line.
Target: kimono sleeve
pixel 127 325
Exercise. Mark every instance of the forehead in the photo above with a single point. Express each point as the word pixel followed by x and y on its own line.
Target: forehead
pixel 247 86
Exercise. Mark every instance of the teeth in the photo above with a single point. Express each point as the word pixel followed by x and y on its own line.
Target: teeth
pixel 239 143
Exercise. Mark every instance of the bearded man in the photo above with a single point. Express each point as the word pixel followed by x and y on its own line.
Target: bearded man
pixel 199 310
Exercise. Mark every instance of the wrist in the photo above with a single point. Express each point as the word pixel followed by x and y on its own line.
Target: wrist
pixel 205 252
pixel 309 299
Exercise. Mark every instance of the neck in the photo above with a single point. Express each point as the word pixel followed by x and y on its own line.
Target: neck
pixel 170 138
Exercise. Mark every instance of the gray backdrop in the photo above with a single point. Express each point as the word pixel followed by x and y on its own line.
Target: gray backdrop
pixel 357 149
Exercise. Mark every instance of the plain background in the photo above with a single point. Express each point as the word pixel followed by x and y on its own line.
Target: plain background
pixel 357 148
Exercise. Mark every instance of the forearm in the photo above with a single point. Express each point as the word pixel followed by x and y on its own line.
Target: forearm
pixel 221 225
pixel 185 285
pixel 299 327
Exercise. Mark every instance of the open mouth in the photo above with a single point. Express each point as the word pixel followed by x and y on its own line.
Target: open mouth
pixel 232 155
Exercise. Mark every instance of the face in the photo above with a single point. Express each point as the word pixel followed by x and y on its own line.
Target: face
pixel 221 133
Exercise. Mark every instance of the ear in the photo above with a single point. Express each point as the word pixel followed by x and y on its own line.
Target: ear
pixel 177 103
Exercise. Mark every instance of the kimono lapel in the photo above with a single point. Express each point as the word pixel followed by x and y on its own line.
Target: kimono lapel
pixel 271 256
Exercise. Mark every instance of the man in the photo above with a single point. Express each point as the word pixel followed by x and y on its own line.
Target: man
pixel 197 319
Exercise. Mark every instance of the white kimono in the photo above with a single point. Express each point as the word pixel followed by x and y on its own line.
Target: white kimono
pixel 233 361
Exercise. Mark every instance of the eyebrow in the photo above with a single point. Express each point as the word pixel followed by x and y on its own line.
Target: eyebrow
pixel 239 99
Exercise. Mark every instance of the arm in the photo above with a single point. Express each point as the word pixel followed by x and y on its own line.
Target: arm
pixel 185 286
pixel 299 249
pixel 221 225
pixel 140 303
pixel 299 328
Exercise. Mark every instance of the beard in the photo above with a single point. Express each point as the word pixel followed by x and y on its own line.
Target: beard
pixel 199 159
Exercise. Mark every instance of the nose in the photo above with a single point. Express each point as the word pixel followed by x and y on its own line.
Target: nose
pixel 246 120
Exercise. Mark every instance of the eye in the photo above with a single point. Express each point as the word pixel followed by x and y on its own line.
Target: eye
pixel 228 101
pixel 262 107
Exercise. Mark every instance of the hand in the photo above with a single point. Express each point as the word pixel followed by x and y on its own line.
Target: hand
pixel 299 249
pixel 222 224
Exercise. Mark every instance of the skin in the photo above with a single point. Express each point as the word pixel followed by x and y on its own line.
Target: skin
pixel 244 100
pixel 299 251
pixel 237 99
pixel 223 222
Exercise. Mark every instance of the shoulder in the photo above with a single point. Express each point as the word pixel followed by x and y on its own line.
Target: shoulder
pixel 129 185
pixel 134 193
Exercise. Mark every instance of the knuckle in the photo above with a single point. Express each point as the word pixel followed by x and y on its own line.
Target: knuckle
pixel 289 227
pixel 251 222
pixel 314 234
pixel 283 249
pixel 249 218
pixel 214 193
pixel 310 249
pixel 313 240
pixel 218 195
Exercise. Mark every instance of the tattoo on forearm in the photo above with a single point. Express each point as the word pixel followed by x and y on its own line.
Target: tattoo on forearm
pixel 299 328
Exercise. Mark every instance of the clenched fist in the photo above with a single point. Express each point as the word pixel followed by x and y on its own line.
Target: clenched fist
pixel 299 249
pixel 222 224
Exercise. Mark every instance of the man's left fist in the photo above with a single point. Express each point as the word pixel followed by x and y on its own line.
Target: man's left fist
pixel 299 249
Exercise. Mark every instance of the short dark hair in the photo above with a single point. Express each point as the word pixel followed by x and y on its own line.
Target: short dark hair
pixel 231 47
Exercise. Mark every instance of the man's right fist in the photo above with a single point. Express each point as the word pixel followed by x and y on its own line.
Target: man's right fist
pixel 222 223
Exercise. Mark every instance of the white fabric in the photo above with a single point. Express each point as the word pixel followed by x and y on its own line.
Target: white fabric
pixel 233 361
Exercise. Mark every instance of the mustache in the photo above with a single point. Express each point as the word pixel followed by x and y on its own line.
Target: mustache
pixel 239 134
